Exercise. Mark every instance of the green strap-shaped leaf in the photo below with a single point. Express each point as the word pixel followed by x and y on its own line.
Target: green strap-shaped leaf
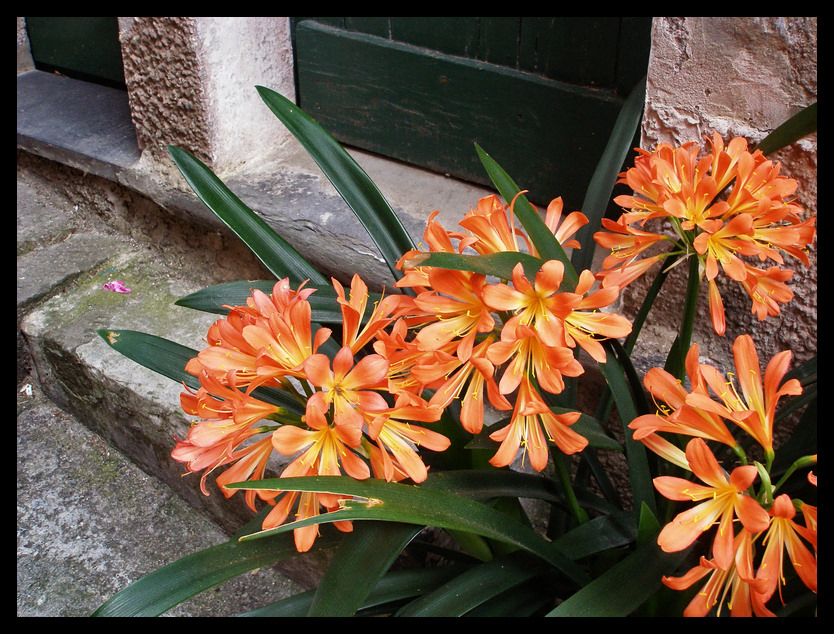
pixel 350 180
pixel 477 586
pixel 275 252
pixel 487 484
pixel 624 587
pixel 393 587
pixel 638 466
pixel 169 359
pixel 486 581
pixel 498 265
pixel 542 238
pixel 801 124
pixel 361 560
pixel 605 175
pixel 155 353
pixel 166 587
pixel 599 534
pixel 380 500
pixel 528 599
pixel 214 299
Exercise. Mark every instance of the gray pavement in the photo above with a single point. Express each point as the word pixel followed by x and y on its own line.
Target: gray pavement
pixel 89 522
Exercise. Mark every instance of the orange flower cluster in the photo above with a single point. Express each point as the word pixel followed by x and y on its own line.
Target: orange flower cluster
pixel 703 412
pixel 461 347
pixel 348 425
pixel 723 207
pixel 367 407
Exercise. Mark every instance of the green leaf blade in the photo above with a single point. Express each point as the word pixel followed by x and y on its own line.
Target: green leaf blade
pixel 169 359
pixel 476 586
pixel 214 299
pixel 380 500
pixel 359 563
pixel 166 587
pixel 624 587
pixel 164 357
pixel 606 173
pixel 638 466
pixel 801 124
pixel 498 265
pixel 546 244
pixel 276 253
pixel 350 180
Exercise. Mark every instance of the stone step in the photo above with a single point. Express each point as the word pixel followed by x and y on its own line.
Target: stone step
pixel 89 522
pixel 100 501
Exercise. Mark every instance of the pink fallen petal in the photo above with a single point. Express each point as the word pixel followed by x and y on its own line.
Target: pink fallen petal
pixel 117 286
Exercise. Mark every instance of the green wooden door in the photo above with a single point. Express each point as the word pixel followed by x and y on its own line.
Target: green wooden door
pixel 540 95
pixel 81 47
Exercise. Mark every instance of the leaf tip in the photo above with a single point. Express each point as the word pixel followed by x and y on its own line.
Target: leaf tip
pixel 110 336
pixel 415 261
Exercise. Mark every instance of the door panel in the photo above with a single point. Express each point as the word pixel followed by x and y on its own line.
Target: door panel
pixel 540 95
pixel 82 47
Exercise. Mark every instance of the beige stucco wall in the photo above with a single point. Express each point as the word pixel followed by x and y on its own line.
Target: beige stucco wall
pixel 738 76
pixel 191 82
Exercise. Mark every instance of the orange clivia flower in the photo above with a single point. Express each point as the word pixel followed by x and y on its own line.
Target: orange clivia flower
pixel 559 318
pixel 351 389
pixel 735 582
pixel 324 445
pixel 398 438
pixel 538 304
pixel 720 499
pixel 563 228
pixel 586 325
pixel 470 381
pixel 353 309
pixel 457 307
pixel 267 339
pixel 785 535
pixel 207 458
pixel 248 463
pixel 720 242
pixel 491 227
pixel 229 416
pixel 666 450
pixel 525 433
pixel 767 289
pixel 308 505
pixel 625 241
pixel 325 450
pixel 727 205
pixel 755 407
pixel 676 413
pixel 526 355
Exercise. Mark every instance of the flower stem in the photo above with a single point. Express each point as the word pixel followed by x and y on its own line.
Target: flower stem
pixel 579 513
pixel 693 286
pixel 799 463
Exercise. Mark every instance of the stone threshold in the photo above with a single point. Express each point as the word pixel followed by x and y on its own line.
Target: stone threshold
pixel 88 127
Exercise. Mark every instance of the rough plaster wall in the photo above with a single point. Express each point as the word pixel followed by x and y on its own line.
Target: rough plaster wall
pixel 24 54
pixel 192 84
pixel 240 53
pixel 165 84
pixel 740 77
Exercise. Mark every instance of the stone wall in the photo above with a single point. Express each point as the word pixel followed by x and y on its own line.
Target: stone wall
pixel 191 83
pixel 738 76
